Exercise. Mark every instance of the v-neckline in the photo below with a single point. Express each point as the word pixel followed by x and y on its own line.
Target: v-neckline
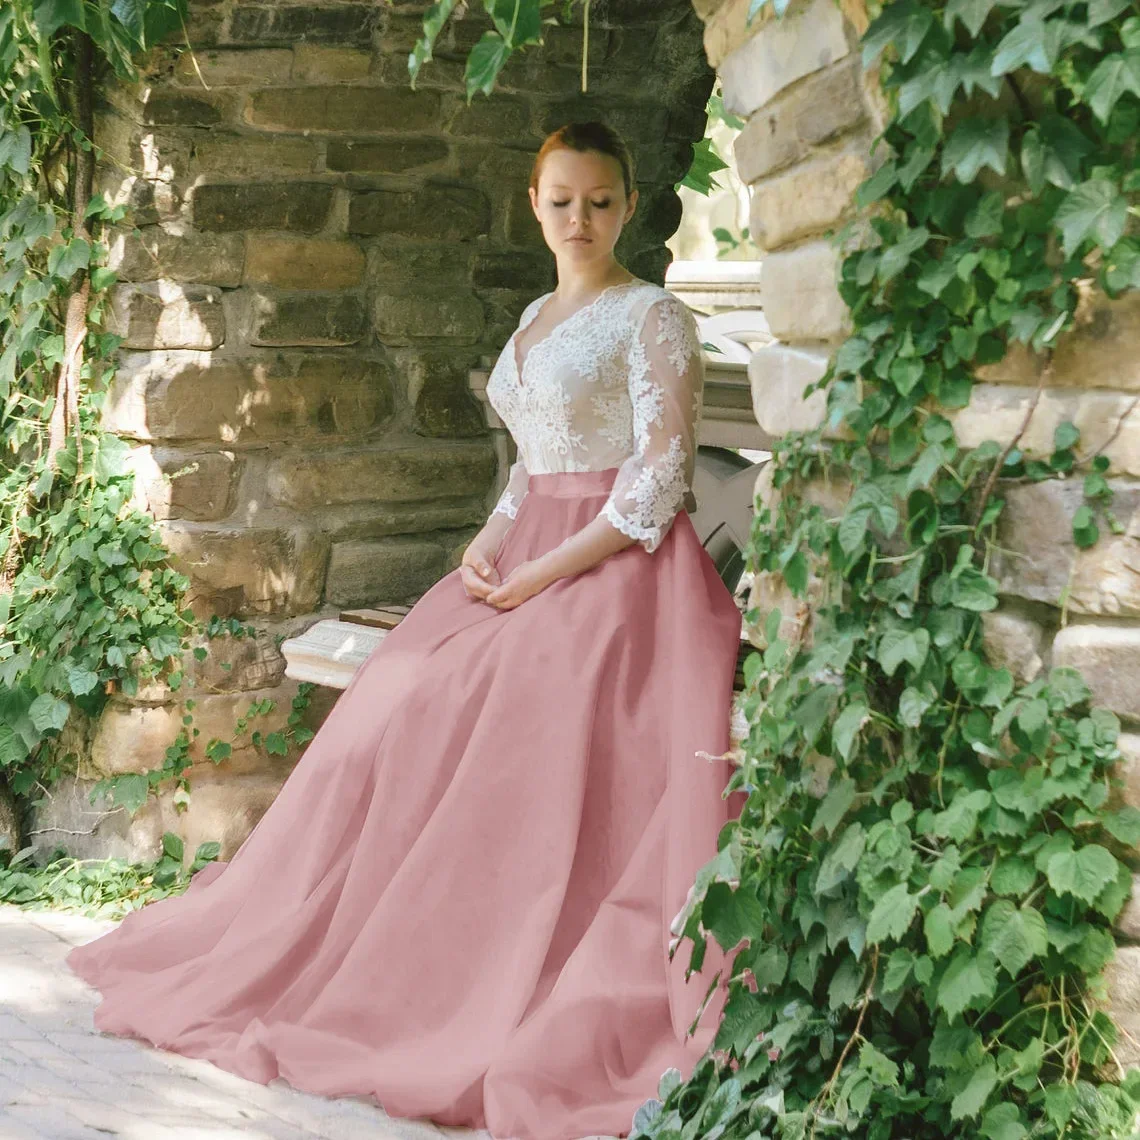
pixel 519 367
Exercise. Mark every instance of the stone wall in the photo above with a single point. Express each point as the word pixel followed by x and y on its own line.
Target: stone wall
pixel 811 115
pixel 321 256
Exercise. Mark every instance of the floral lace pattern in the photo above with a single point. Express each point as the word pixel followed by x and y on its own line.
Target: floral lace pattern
pixel 618 383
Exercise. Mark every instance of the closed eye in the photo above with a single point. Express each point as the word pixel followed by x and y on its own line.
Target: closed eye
pixel 596 205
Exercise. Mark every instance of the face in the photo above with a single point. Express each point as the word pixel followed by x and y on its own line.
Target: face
pixel 581 204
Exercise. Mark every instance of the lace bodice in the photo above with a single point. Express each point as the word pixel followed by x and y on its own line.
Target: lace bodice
pixel 618 383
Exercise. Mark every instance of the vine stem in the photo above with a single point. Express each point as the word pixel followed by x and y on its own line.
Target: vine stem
pixel 1042 383
pixel 855 1035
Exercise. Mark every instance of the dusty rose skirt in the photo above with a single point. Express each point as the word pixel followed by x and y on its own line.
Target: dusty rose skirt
pixel 459 902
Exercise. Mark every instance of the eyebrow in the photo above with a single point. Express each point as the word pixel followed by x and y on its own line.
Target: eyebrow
pixel 600 186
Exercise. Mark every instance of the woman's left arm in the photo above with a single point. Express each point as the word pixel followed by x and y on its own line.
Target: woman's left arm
pixel 666 383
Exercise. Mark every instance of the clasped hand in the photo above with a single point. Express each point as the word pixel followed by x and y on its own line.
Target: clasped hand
pixel 480 577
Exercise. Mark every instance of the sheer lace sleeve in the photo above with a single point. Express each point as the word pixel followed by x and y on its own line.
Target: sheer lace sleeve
pixel 513 492
pixel 666 382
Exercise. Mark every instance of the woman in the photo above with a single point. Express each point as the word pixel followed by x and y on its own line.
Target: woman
pixel 460 901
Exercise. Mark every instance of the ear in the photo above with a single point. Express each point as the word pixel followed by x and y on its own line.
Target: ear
pixel 632 204
pixel 533 199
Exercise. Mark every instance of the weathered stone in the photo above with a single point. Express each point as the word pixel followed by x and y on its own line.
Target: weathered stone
pixel 822 106
pixel 185 485
pixel 315 23
pixel 392 261
pixel 391 156
pixel 505 117
pixel 1100 351
pixel 187 396
pixel 781 52
pixel 1107 420
pixel 799 295
pixel 510 271
pixel 439 212
pixel 316 63
pixel 244 571
pixel 809 199
pixel 444 404
pixel 303 263
pixel 165 315
pixel 100 830
pixel 1035 556
pixel 727 28
pixel 1013 642
pixel 358 109
pixel 177 109
pixel 238 156
pixel 220 68
pixel 1128 770
pixel 1108 657
pixel 404 318
pixel 1128 921
pixel 10 838
pixel 392 570
pixel 381 474
pixel 191 258
pixel 131 147
pixel 778 375
pixel 226 207
pixel 306 319
pixel 226 810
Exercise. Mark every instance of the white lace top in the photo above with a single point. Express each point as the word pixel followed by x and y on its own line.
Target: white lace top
pixel 618 383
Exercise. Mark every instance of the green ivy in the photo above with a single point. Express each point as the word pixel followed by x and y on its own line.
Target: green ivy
pixel 918 897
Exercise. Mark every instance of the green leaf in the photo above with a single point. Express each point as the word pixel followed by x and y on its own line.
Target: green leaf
pixel 841 859
pixel 976 143
pixel 1003 1123
pixel 1030 43
pixel 1085 530
pixel 845 984
pixel 972 13
pixel 484 62
pixel 899 645
pixel 1095 209
pixel 1113 76
pixel 834 806
pixel 847 726
pixel 892 914
pixel 938 927
pixel 51 15
pixel 1013 935
pixel 971 1100
pixel 47 711
pixel 1065 435
pixel 1013 876
pixel 969 979
pixel 81 680
pixel 1083 873
pixel 1124 826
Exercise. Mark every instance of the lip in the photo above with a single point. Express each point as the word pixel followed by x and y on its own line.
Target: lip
pixel 583 240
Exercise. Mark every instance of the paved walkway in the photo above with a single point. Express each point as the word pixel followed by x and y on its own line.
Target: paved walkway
pixel 60 1079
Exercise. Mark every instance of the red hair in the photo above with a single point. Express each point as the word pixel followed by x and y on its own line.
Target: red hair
pixel 593 135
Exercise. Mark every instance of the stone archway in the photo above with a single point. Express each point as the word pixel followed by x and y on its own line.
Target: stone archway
pixel 322 257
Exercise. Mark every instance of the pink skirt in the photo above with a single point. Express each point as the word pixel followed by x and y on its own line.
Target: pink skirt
pixel 459 902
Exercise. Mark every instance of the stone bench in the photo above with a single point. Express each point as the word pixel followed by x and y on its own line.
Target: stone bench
pixel 330 651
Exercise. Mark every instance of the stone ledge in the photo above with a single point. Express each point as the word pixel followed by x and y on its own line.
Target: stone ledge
pixel 800 296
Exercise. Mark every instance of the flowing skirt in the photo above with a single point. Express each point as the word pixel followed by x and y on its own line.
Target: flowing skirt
pixel 459 902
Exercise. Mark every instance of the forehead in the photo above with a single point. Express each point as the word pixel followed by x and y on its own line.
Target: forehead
pixel 567 169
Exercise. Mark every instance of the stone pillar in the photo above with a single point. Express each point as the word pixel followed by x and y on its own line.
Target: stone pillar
pixel 322 255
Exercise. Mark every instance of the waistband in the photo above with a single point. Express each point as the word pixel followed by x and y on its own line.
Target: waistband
pixel 572 484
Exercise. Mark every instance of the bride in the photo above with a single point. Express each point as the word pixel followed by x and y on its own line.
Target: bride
pixel 459 903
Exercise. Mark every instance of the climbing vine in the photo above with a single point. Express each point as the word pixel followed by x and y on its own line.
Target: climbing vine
pixel 918 897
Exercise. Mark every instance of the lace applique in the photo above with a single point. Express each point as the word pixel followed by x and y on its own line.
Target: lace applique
pixel 506 505
pixel 617 417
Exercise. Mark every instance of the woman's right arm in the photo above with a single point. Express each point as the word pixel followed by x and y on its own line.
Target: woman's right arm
pixel 484 547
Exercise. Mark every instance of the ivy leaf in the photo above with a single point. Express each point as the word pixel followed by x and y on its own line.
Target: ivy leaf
pixel 899 645
pixel 1112 78
pixel 484 62
pixel 51 15
pixel 1030 43
pixel 971 1100
pixel 1013 876
pixel 912 704
pixel 47 711
pixel 845 983
pixel 1013 935
pixel 81 680
pixel 1101 11
pixel 1124 825
pixel 847 726
pixel 842 859
pixel 1003 1123
pixel 938 926
pixel 972 13
pixel 1083 873
pixel 892 915
pixel 1085 531
pixel 1095 208
pixel 834 806
pixel 976 143
pixel 903 24
pixel 970 978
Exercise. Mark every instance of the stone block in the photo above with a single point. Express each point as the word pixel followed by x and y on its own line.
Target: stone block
pixel 780 52
pixel 152 252
pixel 1013 642
pixel 1102 350
pixel 218 67
pixel 1128 921
pixel 303 263
pixel 163 314
pixel 728 27
pixel 185 485
pixel 809 199
pixel 1108 657
pixel 1036 557
pixel 265 24
pixel 189 396
pixel 504 117
pixel 440 212
pixel 1106 419
pixel 389 156
pixel 1128 769
pixel 318 63
pixel 163 107
pixel 246 571
pixel 130 147
pixel 800 297
pixel 313 319
pixel 230 207
pixel 407 318
pixel 240 156
pixel 779 374
pixel 226 811
pixel 444 404
pixel 360 110
pixel 823 106
pixel 391 570
pixel 510 271
pixel 381 475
